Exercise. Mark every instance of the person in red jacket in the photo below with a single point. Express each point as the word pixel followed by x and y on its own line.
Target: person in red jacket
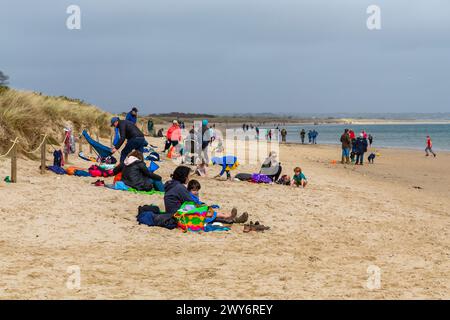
pixel 173 135
pixel 429 147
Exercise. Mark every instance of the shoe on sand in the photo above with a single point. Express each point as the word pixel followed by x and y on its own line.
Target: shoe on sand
pixel 233 213
pixel 242 218
pixel 259 227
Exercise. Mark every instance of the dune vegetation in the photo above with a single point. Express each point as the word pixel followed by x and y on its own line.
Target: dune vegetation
pixel 28 115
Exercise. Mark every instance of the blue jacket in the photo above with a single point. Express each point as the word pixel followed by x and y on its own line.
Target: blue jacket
pixel 131 118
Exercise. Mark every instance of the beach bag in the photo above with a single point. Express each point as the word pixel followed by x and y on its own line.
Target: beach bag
pixel 191 218
pixel 58 158
pixel 95 171
pixel 284 180
pixel 71 170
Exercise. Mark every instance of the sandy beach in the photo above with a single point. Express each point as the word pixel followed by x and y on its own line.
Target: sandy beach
pixel 393 215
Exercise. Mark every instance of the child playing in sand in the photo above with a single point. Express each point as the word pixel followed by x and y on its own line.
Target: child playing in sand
pixel 299 179
pixel 194 188
pixel 228 163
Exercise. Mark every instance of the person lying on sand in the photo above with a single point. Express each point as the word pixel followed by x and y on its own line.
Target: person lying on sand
pixel 135 173
pixel 299 179
pixel 194 188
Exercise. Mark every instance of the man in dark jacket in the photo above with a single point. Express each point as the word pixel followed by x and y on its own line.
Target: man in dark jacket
pixel 128 131
pixel 302 135
pixel 346 145
pixel 360 148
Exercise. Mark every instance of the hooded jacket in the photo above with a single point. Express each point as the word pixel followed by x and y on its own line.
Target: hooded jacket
pixel 135 174
pixel 175 195
pixel 360 145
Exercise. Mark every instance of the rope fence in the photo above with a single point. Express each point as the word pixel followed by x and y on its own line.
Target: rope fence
pixel 13 152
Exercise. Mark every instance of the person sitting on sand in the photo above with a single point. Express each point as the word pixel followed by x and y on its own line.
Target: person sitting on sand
pixel 135 173
pixel 176 192
pixel 194 188
pixel 299 179
pixel 228 163
pixel 271 167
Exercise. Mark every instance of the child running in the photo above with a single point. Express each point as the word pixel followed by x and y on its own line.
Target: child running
pixel 299 179
pixel 194 188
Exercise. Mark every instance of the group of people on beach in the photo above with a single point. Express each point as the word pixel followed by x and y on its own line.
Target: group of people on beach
pixel 134 173
pixel 355 147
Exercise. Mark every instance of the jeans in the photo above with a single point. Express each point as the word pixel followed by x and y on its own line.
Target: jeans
pixel 137 143
pixel 346 152
pixel 360 158
pixel 157 185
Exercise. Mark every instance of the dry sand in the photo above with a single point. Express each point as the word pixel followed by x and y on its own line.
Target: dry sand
pixel 321 243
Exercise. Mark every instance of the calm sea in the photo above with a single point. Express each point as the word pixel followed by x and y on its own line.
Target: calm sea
pixel 411 136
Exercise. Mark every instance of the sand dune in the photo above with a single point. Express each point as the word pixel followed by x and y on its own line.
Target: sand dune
pixel 321 243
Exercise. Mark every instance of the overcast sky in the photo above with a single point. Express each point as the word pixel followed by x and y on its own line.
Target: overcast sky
pixel 232 55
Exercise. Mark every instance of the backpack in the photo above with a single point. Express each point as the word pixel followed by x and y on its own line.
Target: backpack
pixel 58 158
pixel 284 180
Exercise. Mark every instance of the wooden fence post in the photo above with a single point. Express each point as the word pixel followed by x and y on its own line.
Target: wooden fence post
pixel 80 143
pixel 14 164
pixel 43 154
pixel 90 148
